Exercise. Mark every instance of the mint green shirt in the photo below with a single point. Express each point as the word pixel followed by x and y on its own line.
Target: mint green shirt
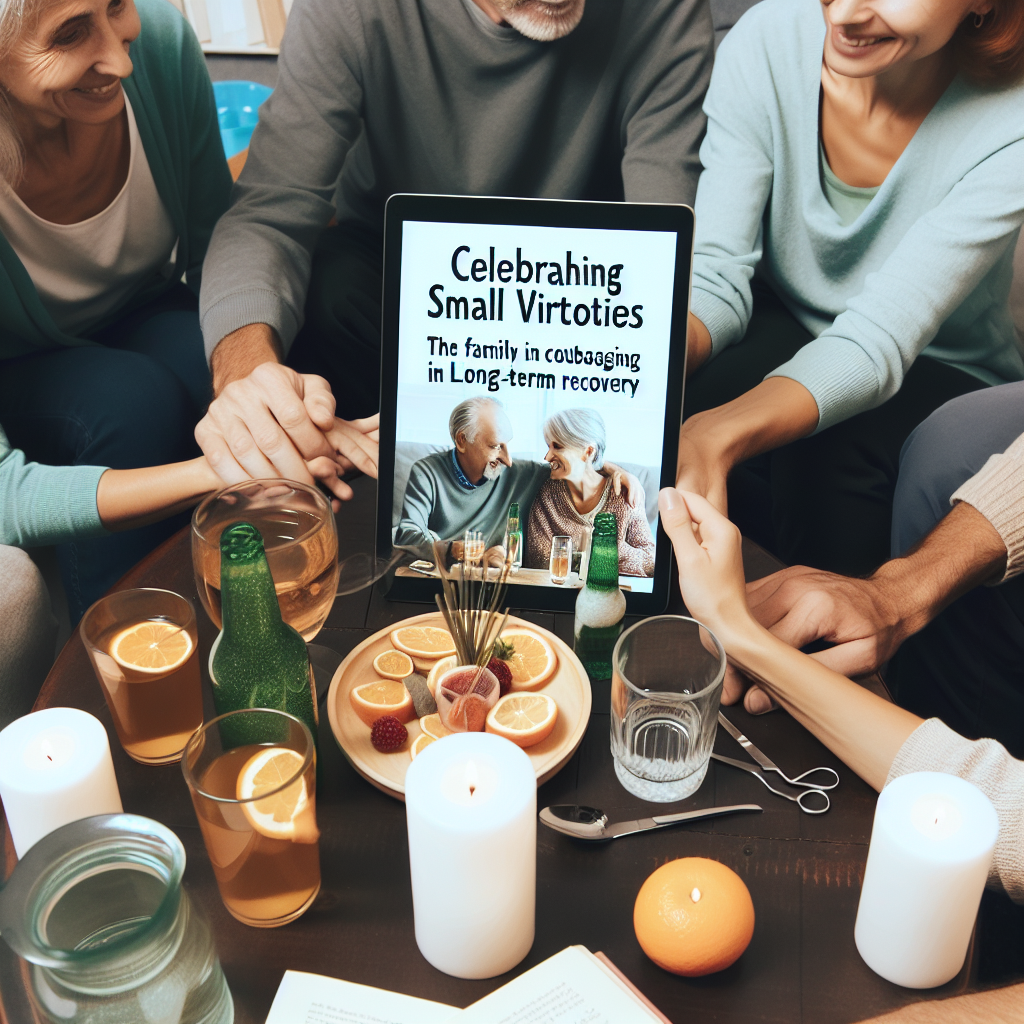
pixel 849 201
pixel 172 99
pixel 926 266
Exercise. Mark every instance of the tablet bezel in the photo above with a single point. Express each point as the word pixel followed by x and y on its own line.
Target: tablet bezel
pixel 544 213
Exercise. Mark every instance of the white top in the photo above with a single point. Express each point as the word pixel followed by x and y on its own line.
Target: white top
pixel 83 271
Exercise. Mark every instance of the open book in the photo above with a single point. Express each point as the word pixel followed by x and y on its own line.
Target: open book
pixel 572 987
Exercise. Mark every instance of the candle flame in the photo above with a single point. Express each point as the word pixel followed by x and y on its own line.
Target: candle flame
pixel 471 777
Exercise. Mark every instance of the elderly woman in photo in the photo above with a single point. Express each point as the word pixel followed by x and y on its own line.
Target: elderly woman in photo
pixel 112 176
pixel 576 491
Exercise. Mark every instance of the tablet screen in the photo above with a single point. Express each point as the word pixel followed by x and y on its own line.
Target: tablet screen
pixel 532 367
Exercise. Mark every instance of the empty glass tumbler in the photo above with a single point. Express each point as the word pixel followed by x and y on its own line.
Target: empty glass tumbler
pixel 667 674
pixel 98 910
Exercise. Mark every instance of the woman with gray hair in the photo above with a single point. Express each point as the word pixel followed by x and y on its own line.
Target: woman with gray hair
pixel 112 176
pixel 576 491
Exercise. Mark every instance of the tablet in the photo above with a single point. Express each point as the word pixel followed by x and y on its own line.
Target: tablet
pixel 532 361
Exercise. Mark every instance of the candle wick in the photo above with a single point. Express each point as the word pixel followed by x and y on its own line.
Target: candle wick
pixel 472 790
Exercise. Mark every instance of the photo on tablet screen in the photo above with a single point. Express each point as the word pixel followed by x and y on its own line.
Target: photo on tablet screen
pixel 531 394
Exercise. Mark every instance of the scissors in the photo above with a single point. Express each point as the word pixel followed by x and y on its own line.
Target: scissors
pixel 807 789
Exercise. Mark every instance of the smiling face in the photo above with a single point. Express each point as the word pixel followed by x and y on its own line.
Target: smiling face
pixel 68 62
pixel 543 20
pixel 486 455
pixel 869 37
pixel 568 463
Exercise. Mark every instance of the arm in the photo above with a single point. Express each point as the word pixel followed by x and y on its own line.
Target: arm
pixel 127 498
pixel 636 552
pixel 864 730
pixel 414 533
pixel 662 121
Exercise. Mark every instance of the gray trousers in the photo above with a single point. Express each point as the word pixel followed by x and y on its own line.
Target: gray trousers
pixel 967 666
pixel 28 631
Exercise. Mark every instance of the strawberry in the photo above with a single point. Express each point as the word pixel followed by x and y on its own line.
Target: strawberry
pixel 388 734
pixel 502 673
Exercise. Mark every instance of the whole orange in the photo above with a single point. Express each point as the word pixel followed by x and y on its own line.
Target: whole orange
pixel 694 916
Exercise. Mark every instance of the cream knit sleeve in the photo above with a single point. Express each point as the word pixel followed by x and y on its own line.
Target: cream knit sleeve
pixel 997 492
pixel 934 747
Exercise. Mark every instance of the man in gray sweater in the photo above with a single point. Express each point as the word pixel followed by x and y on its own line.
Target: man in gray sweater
pixel 577 99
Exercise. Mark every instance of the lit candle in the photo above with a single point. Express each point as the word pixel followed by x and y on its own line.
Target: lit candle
pixel 471 806
pixel 931 847
pixel 55 768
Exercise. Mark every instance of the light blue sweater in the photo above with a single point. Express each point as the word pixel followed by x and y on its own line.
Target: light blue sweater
pixel 926 267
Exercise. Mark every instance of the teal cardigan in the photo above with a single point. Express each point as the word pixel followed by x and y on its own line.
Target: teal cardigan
pixel 172 99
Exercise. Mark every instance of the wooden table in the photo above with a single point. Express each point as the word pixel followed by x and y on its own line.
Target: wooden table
pixel 804 872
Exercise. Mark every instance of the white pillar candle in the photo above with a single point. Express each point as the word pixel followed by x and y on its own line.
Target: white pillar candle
pixel 55 768
pixel 471 806
pixel 931 847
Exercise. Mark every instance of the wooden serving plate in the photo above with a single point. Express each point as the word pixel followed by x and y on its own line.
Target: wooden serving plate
pixel 569 687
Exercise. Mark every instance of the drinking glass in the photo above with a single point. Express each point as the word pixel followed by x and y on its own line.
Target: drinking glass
pixel 561 559
pixel 473 550
pixel 98 910
pixel 144 648
pixel 299 536
pixel 667 674
pixel 252 777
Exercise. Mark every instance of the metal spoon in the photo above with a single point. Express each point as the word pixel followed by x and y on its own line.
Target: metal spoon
pixel 591 823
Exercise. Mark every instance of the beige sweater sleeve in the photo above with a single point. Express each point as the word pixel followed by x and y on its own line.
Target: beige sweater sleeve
pixel 934 747
pixel 997 492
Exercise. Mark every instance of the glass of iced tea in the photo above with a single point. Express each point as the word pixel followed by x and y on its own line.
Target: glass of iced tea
pixel 299 536
pixel 561 559
pixel 144 647
pixel 252 775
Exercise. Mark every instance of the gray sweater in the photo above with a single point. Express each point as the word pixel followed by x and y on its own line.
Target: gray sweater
pixel 432 96
pixel 437 506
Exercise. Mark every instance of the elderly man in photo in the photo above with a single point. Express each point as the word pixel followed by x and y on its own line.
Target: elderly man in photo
pixel 564 99
pixel 471 485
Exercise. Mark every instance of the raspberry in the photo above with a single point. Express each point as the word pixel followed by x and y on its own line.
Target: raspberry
pixel 388 734
pixel 502 673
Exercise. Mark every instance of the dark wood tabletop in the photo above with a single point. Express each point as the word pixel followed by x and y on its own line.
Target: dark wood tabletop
pixel 804 872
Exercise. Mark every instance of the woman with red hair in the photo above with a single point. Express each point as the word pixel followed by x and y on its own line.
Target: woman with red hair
pixel 862 193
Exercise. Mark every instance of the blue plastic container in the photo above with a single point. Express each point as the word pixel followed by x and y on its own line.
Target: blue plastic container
pixel 238 111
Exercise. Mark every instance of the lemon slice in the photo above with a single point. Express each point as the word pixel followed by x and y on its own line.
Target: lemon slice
pixel 393 665
pixel 427 642
pixel 382 697
pixel 437 670
pixel 533 661
pixel 286 814
pixel 151 646
pixel 524 718
pixel 421 743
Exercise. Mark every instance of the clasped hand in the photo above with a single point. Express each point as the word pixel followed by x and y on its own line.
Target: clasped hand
pixel 279 423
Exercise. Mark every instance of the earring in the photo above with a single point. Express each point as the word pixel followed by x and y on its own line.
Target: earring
pixel 979 20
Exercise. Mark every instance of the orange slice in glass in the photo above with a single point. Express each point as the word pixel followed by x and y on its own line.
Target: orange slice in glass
pixel 285 814
pixel 382 697
pixel 533 661
pixel 393 665
pixel 152 646
pixel 524 718
pixel 423 641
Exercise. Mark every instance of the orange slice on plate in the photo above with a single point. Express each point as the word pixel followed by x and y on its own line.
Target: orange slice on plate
pixel 382 697
pixel 285 814
pixel 152 646
pixel 393 665
pixel 524 718
pixel 428 642
pixel 533 660
pixel 431 726
pixel 437 670
pixel 421 743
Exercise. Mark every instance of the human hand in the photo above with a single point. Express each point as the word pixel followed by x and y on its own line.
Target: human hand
pixel 623 483
pixel 271 423
pixel 710 557
pixel 356 444
pixel 494 557
pixel 699 470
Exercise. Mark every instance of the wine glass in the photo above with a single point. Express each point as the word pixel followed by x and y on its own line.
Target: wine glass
pixel 299 536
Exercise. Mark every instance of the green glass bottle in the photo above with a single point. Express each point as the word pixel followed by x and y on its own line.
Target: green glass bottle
pixel 514 536
pixel 258 660
pixel 601 605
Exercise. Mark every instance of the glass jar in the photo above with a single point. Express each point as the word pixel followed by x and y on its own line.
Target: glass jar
pixel 97 907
